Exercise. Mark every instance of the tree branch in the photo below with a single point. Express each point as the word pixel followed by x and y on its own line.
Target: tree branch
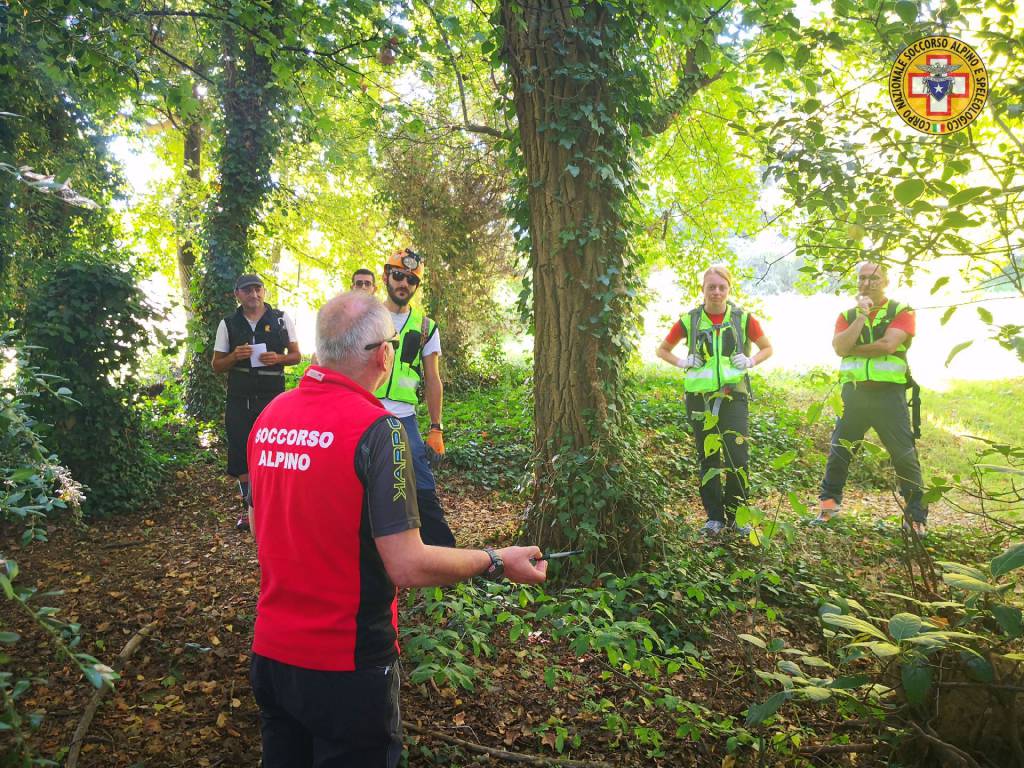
pixel 514 757
pixel 466 124
pixel 691 81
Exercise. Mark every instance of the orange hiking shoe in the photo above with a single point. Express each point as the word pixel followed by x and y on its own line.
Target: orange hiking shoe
pixel 828 509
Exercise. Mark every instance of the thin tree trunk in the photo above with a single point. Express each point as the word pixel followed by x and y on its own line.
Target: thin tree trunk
pixel 193 153
pixel 250 102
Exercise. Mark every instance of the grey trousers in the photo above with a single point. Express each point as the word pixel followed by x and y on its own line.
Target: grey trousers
pixel 882 407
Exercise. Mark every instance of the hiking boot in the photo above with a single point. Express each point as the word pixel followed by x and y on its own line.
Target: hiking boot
pixel 828 510
pixel 243 523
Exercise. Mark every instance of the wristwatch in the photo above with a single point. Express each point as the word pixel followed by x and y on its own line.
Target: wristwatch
pixel 436 426
pixel 497 567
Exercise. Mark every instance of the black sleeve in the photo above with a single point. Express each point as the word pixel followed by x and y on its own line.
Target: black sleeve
pixel 384 465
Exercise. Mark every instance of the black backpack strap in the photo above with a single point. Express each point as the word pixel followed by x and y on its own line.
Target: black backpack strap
pixel 695 315
pixel 736 320
pixel 739 332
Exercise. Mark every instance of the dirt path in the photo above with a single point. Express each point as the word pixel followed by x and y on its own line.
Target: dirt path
pixel 184 699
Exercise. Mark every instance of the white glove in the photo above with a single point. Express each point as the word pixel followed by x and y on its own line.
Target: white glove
pixel 691 361
pixel 741 361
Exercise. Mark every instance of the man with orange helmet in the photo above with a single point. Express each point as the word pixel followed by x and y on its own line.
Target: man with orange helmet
pixel 416 362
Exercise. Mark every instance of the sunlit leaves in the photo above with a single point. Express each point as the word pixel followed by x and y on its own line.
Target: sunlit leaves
pixel 908 191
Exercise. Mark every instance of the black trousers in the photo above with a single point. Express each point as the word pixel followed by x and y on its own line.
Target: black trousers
pixel 726 490
pixel 240 413
pixel 310 718
pixel 882 407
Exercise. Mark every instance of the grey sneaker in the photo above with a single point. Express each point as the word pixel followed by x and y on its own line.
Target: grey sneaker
pixel 743 530
pixel 713 527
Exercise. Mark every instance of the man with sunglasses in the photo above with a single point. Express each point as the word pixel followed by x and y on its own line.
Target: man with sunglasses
pixel 363 280
pixel 416 362
pixel 872 339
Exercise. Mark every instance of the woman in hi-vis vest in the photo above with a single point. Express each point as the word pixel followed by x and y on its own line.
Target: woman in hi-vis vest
pixel 718 337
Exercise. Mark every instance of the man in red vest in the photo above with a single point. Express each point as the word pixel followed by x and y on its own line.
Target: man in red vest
pixel 337 530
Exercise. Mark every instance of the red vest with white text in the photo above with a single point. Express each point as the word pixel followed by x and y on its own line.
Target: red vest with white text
pixel 326 601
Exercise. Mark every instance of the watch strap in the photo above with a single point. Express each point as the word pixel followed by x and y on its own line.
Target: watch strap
pixel 497 567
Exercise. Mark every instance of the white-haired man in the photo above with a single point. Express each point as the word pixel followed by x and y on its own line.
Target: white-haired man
pixel 337 529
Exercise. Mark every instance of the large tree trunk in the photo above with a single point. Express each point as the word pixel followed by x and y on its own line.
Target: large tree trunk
pixel 577 171
pixel 250 100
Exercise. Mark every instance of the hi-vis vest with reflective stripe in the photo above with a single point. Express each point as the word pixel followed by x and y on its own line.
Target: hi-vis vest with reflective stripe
pixel 406 373
pixel 716 344
pixel 888 368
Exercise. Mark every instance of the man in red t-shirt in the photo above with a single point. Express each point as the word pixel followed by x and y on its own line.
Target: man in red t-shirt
pixel 872 339
pixel 337 529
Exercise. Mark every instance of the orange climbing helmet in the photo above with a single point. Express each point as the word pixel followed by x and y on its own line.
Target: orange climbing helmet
pixel 407 260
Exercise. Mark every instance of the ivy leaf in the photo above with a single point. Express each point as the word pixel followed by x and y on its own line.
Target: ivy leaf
pixel 1011 559
pixel 758 713
pixel 784 460
pixel 574 170
pixel 816 693
pixel 916 679
pixel 854 624
pixel 967 583
pixel 957 350
pixel 1010 619
pixel 904 625
pixel 908 191
pixel 790 668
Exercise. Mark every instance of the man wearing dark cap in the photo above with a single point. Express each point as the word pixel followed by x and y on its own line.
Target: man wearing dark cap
pixel 253 346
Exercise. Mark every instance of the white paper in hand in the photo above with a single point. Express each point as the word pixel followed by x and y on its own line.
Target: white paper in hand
pixel 254 357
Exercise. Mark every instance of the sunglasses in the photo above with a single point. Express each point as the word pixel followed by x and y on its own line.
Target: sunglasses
pixel 393 341
pixel 363 283
pixel 398 276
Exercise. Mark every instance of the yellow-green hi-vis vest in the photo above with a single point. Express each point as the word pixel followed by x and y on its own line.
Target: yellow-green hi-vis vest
pixel 406 372
pixel 716 344
pixel 889 368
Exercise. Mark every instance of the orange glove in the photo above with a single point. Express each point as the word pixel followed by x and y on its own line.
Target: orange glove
pixel 435 440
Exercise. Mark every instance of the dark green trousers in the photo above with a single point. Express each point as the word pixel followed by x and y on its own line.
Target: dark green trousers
pixel 883 408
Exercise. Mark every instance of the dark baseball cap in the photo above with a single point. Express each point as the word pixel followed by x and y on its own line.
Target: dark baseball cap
pixel 244 281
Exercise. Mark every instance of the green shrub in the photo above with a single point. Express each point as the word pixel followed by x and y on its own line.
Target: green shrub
pixel 85 321
pixel 33 483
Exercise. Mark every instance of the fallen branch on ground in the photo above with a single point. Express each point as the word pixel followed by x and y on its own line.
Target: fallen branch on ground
pixel 514 757
pixel 832 749
pixel 94 703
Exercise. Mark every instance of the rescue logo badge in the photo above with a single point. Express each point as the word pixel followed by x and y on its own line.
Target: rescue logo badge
pixel 938 85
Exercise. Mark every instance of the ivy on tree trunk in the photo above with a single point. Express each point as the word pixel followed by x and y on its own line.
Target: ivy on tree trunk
pixel 578 169
pixel 251 135
pixel 582 103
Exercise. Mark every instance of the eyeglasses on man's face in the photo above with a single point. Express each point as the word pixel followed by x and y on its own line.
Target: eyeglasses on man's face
pixel 363 283
pixel 393 341
pixel 398 276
